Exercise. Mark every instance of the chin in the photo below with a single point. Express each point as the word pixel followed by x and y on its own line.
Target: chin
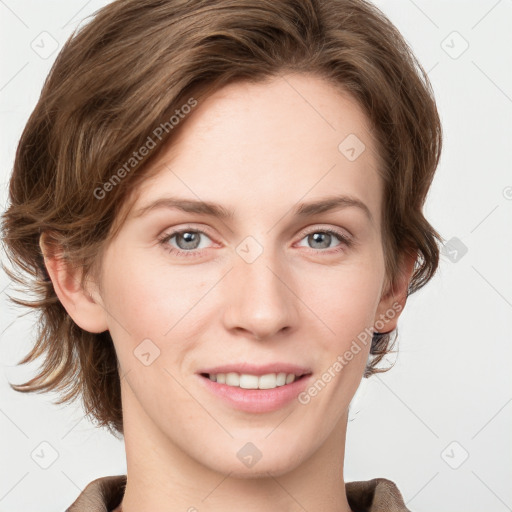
pixel 276 465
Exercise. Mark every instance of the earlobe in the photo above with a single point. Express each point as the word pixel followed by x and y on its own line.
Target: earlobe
pixel 86 310
pixel 394 298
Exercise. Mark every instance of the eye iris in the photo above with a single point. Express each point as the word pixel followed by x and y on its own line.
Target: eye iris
pixel 191 240
pixel 320 238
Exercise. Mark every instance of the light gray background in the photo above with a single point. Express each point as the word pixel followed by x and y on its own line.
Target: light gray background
pixel 439 424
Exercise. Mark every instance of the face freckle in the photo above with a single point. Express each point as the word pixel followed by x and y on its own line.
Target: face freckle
pixel 257 291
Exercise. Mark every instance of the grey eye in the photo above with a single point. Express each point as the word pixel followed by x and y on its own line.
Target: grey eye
pixel 188 239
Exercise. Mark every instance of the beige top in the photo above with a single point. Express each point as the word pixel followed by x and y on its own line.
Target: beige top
pixel 378 495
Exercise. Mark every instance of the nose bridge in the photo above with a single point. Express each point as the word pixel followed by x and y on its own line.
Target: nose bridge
pixel 260 300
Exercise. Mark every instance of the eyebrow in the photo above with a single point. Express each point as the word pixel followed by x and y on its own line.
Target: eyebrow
pixel 303 210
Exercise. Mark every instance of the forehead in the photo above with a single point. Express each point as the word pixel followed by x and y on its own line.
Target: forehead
pixel 253 147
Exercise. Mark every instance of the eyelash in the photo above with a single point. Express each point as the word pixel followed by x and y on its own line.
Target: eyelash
pixel 166 237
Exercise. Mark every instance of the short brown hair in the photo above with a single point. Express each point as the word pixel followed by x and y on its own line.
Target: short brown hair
pixel 127 72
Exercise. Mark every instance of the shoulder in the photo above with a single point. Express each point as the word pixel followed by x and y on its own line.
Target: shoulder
pixel 376 495
pixel 101 495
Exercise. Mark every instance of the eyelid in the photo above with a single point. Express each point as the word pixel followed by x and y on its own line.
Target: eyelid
pixel 345 239
pixel 201 228
pixel 305 231
pixel 343 232
pixel 167 235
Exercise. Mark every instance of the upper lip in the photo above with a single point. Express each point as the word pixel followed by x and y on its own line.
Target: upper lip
pixel 259 370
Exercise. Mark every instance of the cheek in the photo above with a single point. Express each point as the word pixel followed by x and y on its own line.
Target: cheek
pixel 345 298
pixel 162 305
pixel 155 318
pixel 348 310
pixel 155 301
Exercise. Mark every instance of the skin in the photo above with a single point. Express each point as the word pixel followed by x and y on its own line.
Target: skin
pixel 258 149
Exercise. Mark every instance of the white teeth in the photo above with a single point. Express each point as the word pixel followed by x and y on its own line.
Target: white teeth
pixel 268 381
pixel 247 381
pixel 281 379
pixel 233 379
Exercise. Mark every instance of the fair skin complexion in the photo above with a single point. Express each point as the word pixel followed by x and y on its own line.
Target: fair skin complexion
pixel 259 150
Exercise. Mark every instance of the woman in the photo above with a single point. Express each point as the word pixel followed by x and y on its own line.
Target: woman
pixel 220 207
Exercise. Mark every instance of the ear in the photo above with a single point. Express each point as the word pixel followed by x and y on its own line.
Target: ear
pixel 86 311
pixel 394 297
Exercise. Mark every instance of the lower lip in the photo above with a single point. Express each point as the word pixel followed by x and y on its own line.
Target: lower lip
pixel 257 400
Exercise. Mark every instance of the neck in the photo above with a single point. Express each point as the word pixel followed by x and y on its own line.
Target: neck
pixel 162 476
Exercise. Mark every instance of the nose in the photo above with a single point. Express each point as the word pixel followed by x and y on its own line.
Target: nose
pixel 261 300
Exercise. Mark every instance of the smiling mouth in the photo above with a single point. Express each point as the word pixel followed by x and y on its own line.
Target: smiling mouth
pixel 248 381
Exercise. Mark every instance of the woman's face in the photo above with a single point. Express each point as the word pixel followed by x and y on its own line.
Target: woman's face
pixel 276 283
